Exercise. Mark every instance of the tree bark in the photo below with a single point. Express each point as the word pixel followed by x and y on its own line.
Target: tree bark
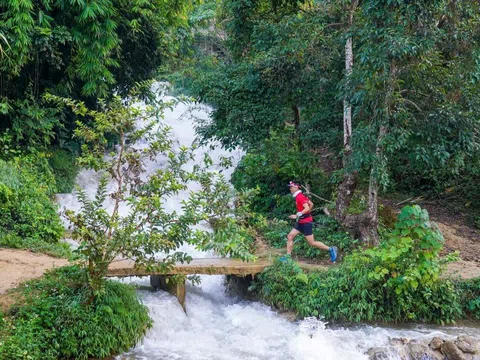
pixel 365 225
pixel 347 107
pixel 371 231
pixel 372 210
pixel 349 183
pixel 296 117
pixel 296 124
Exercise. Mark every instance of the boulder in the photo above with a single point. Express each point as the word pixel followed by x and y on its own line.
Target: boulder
pixel 452 352
pixel 467 344
pixel 463 348
pixel 378 353
pixel 436 343
pixel 419 351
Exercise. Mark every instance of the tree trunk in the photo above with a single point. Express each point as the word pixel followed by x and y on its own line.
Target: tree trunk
pixel 296 124
pixel 366 224
pixel 349 183
pixel 372 210
pixel 347 107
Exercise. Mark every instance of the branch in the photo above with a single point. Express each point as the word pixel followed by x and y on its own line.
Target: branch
pixel 117 198
pixel 319 197
pixel 333 24
pixel 413 104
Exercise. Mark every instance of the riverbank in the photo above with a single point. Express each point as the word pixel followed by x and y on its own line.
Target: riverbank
pixel 18 266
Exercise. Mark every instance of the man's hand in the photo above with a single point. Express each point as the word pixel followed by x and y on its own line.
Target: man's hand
pixel 293 217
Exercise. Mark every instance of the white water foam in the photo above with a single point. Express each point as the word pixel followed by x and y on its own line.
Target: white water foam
pixel 218 327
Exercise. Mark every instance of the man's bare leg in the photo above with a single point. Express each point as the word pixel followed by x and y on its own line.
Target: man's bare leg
pixel 318 244
pixel 290 237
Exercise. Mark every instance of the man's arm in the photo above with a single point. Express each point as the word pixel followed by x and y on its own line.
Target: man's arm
pixel 306 209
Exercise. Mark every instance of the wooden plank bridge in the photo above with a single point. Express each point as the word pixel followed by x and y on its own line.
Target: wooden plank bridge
pixel 212 266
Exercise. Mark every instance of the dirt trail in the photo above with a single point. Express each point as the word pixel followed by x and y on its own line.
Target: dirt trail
pixel 462 239
pixel 17 266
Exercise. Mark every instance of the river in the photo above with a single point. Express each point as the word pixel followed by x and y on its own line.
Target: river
pixel 219 327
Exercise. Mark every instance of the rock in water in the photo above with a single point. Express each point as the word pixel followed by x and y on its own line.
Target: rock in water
pixel 467 344
pixel 452 352
pixel 419 351
pixel 436 343
pixel 378 353
pixel 464 348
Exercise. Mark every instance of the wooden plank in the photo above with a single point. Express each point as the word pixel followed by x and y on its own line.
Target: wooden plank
pixel 215 266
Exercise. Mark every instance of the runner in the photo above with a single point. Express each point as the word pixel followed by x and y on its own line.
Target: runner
pixel 304 223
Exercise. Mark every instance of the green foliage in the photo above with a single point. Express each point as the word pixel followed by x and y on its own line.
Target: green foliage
pixel 265 75
pixel 83 49
pixel 325 229
pixel 65 169
pixel 56 319
pixel 32 123
pixel 287 287
pixel 11 240
pixel 418 80
pixel 270 167
pixel 398 281
pixel 64 36
pixel 470 291
pixel 28 218
pixel 233 221
pixel 148 228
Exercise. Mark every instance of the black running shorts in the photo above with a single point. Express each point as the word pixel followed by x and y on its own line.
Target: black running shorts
pixel 306 229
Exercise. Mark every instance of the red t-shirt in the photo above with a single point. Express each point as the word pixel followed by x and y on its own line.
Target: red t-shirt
pixel 301 200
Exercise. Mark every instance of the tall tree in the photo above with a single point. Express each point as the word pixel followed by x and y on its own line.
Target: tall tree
pixel 79 49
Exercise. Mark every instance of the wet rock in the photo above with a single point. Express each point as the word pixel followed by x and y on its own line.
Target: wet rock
pixel 452 352
pixel 467 344
pixel 436 343
pixel 378 353
pixel 418 351
pixel 463 348
pixel 399 341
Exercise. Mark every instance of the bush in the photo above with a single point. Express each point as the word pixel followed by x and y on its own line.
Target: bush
pixel 271 167
pixel 287 287
pixel 65 169
pixel 26 211
pixel 395 282
pixel 60 320
pixel 12 240
pixel 470 290
pixel 326 230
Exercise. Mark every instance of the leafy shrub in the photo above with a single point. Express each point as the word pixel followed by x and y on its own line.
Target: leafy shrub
pixel 397 281
pixel 12 240
pixel 270 167
pixel 470 291
pixel 232 220
pixel 326 230
pixel 287 287
pixel 65 169
pixel 59 319
pixel 26 211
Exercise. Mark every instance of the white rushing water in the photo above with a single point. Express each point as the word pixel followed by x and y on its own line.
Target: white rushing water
pixel 216 326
